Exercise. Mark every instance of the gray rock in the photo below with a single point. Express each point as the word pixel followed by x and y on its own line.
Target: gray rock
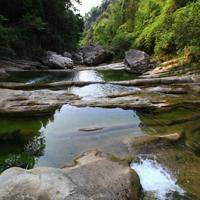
pixel 67 54
pixel 29 103
pixel 10 65
pixel 56 61
pixel 95 55
pixel 137 61
pixel 78 58
pixel 3 74
pixel 95 176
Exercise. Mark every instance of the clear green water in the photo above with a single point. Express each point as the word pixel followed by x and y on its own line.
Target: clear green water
pixel 87 75
pixel 56 140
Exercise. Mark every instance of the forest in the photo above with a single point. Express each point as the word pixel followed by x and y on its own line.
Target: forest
pixel 28 27
pixel 155 26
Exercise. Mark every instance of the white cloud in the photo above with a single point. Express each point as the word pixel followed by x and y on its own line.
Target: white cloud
pixel 86 5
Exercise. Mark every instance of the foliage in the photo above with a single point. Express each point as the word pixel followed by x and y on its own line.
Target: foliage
pixel 27 27
pixel 155 26
pixel 16 160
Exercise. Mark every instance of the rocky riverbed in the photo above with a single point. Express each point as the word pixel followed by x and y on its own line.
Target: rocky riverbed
pixel 50 116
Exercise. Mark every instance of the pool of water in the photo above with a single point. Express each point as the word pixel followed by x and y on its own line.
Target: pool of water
pixel 56 140
pixel 86 75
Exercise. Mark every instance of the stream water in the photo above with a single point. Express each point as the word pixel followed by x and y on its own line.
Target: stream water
pixel 56 140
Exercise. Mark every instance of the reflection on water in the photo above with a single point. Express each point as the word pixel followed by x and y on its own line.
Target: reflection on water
pixel 99 90
pixel 86 75
pixel 179 120
pixel 64 141
pixel 57 140
pixel 156 180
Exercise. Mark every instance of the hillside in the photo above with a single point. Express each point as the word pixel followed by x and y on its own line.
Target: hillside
pixel 155 26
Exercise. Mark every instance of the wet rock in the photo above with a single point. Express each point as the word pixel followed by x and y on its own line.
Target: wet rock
pixel 170 151
pixel 137 61
pixel 29 103
pixel 146 142
pixel 95 55
pixel 95 176
pixel 91 129
pixel 56 61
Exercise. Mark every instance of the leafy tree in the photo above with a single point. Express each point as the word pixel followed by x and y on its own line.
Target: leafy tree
pixel 155 26
pixel 33 26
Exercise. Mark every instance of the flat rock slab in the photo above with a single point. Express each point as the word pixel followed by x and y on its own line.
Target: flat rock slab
pixel 95 176
pixel 38 102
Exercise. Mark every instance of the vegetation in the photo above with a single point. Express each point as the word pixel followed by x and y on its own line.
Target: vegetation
pixel 155 26
pixel 27 27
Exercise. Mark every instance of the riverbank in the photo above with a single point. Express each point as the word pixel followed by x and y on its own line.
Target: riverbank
pixel 72 111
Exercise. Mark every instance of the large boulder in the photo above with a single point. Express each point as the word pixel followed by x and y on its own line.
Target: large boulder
pixel 95 176
pixel 78 57
pixel 94 55
pixel 137 61
pixel 56 61
pixel 67 54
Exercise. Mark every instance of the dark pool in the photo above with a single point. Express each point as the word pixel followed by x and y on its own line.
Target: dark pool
pixel 86 75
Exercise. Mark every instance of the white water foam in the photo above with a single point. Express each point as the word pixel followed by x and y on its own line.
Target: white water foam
pixel 155 178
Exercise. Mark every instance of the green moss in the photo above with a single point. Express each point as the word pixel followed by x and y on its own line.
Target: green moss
pixel 185 164
pixel 178 120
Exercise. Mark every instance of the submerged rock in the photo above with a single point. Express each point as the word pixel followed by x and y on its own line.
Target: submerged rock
pixel 56 61
pixel 146 143
pixel 95 176
pixel 137 61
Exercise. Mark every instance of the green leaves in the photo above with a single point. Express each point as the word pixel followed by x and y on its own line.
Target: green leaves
pixel 28 27
pixel 155 26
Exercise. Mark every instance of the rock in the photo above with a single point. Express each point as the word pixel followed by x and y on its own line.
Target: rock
pixel 137 61
pixel 9 65
pixel 157 81
pixel 67 54
pixel 124 102
pixel 56 61
pixel 78 58
pixel 173 156
pixel 3 74
pixel 29 103
pixel 95 55
pixel 92 129
pixel 147 144
pixel 95 176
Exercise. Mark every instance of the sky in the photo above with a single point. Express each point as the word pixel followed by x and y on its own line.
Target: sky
pixel 87 5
